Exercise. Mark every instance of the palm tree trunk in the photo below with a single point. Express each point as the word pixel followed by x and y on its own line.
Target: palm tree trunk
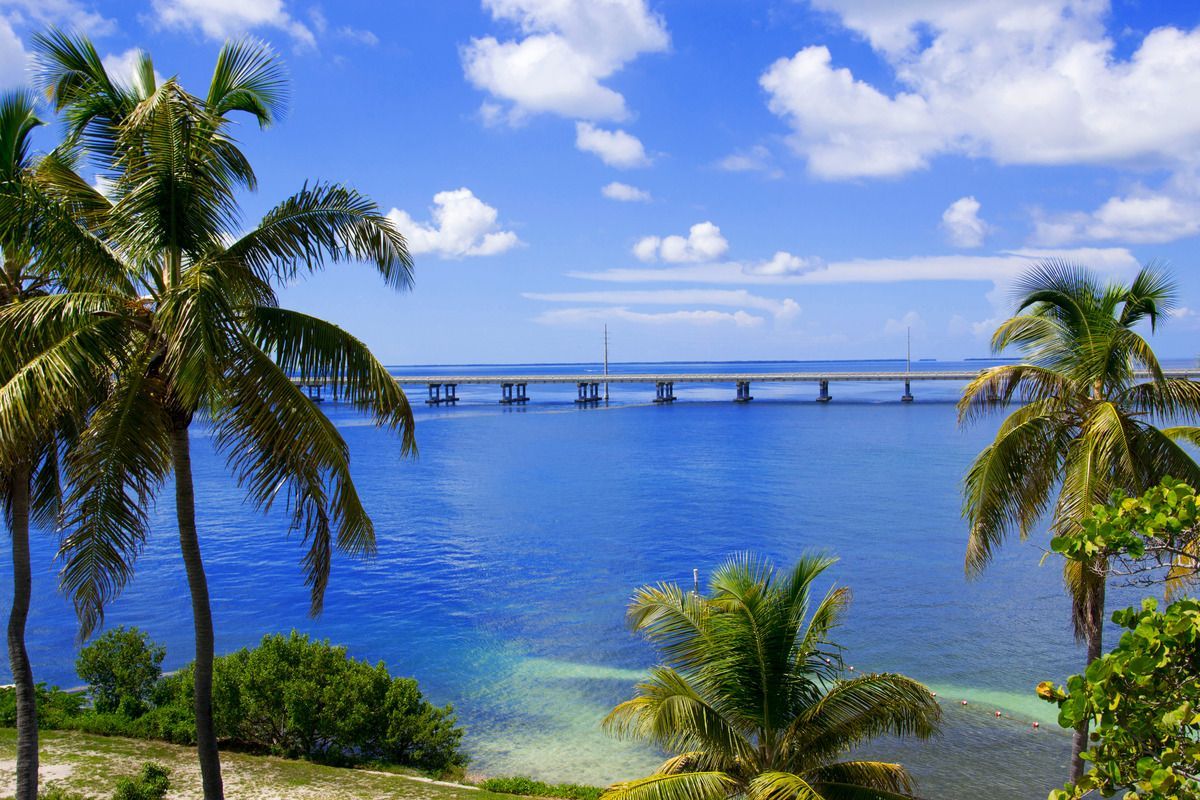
pixel 1093 629
pixel 189 545
pixel 18 656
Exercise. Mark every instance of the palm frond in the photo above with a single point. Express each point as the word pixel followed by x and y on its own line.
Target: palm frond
pixel 248 77
pixel 875 777
pixel 681 786
pixel 781 786
pixel 309 348
pixel 1151 296
pixel 324 222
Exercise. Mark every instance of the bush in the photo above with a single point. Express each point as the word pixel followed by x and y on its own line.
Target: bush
pixel 299 698
pixel 152 783
pixel 121 668
pixel 531 788
pixel 53 791
pixel 55 708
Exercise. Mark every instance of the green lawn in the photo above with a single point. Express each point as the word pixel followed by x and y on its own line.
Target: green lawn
pixel 91 765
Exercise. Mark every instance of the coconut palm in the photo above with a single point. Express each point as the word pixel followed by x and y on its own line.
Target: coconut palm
pixel 1091 393
pixel 29 460
pixel 194 330
pixel 752 700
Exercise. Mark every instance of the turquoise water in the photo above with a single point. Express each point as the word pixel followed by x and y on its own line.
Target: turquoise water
pixel 508 550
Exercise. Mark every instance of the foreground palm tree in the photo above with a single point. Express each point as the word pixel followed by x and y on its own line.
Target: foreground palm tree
pixel 29 458
pixel 752 700
pixel 1092 391
pixel 194 330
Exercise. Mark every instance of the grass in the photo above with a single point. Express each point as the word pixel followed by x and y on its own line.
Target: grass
pixel 91 764
pixel 533 788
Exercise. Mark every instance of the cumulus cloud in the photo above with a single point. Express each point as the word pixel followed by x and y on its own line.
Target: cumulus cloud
pixel 1144 217
pixel 23 16
pixel 962 224
pixel 462 225
pixel 910 321
pixel 567 49
pixel 704 242
pixel 782 309
pixel 615 148
pixel 575 316
pixel 783 263
pixel 223 19
pixel 625 193
pixel 973 75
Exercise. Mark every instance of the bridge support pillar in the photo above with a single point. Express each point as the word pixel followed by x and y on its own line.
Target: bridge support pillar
pixel 521 396
pixel 451 393
pixel 824 396
pixel 743 392
pixel 664 392
pixel 589 392
pixel 506 394
pixel 314 392
pixel 907 396
pixel 435 395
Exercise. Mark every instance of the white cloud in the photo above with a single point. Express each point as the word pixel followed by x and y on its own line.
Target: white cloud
pixel 704 242
pixel 69 14
pixel 910 321
pixel 1019 82
pixel 223 19
pixel 360 35
pixel 615 148
pixel 625 193
pixel 568 48
pixel 575 316
pixel 962 224
pixel 14 61
pixel 783 263
pixel 1143 217
pixel 999 269
pixel 754 159
pixel 784 309
pixel 462 225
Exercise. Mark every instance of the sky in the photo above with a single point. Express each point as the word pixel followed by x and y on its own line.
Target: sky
pixel 712 179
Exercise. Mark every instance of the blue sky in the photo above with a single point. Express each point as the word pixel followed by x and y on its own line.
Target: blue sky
pixel 715 179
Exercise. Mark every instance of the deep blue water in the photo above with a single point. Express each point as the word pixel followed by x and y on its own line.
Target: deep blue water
pixel 508 549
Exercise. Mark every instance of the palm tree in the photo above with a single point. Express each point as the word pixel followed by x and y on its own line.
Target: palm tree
pixel 194 330
pixel 752 700
pixel 1091 391
pixel 29 459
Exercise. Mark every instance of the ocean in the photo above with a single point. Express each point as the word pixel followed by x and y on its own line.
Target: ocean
pixel 509 548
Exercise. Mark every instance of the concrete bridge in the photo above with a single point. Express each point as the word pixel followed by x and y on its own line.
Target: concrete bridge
pixel 514 389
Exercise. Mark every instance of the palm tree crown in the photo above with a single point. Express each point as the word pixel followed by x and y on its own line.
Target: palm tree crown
pixel 752 700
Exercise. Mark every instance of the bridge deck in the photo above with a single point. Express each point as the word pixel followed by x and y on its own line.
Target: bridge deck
pixel 714 377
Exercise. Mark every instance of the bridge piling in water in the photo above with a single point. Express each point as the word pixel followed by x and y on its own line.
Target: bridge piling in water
pixel 589 393
pixel 664 391
pixel 907 396
pixel 743 392
pixel 824 396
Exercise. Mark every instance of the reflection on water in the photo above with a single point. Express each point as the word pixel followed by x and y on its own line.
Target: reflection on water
pixel 507 552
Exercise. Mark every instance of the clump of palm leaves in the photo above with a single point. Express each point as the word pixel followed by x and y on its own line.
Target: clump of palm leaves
pixel 751 699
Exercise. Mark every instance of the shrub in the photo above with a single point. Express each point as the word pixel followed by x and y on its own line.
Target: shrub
pixel 299 698
pixel 121 668
pixel 55 708
pixel 152 783
pixel 531 788
pixel 1143 701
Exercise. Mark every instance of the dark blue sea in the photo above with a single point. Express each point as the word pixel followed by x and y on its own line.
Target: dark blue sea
pixel 509 547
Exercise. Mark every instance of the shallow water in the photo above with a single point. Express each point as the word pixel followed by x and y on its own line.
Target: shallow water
pixel 508 550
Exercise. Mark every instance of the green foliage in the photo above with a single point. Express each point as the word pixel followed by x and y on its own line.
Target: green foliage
pixel 121 668
pixel 152 783
pixel 752 701
pixel 1143 699
pixel 1159 526
pixel 55 708
pixel 528 787
pixel 299 698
